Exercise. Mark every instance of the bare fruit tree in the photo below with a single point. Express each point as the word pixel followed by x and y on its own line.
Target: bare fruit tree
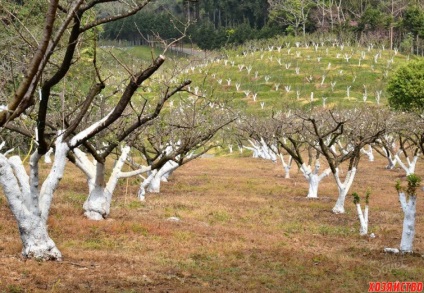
pixel 181 135
pixel 49 62
pixel 350 131
pixel 290 137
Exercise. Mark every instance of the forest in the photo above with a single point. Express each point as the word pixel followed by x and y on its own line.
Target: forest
pixel 395 23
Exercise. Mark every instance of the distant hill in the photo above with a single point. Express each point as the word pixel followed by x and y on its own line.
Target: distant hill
pixel 298 74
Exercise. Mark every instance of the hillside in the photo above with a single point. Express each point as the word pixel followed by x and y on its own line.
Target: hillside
pixel 295 74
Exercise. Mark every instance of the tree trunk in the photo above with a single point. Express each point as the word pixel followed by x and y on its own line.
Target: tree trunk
pixel 313 186
pixel 155 180
pixel 154 185
pixel 31 206
pixel 339 206
pixel 343 190
pixel 363 219
pixel 408 232
pixel 97 205
pixel 409 168
pixel 313 178
pixel 35 239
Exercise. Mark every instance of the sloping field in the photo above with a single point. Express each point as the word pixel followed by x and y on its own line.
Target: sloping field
pixel 300 75
pixel 243 228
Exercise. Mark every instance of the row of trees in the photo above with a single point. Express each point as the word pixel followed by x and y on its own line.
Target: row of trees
pixel 338 139
pixel 61 97
pixel 46 100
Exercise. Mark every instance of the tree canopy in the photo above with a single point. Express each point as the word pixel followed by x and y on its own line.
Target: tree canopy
pixel 406 87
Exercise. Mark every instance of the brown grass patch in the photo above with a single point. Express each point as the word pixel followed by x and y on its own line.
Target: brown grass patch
pixel 243 228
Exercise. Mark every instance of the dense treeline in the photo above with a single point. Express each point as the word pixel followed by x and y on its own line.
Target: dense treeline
pixel 215 23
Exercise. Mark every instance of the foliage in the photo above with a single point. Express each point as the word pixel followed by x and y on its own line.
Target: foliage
pixel 413 184
pixel 293 13
pixel 144 25
pixel 367 196
pixel 372 19
pixel 385 22
pixel 413 21
pixel 406 87
pixel 356 198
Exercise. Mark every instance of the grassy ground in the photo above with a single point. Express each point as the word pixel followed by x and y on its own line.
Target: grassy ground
pixel 243 228
pixel 300 76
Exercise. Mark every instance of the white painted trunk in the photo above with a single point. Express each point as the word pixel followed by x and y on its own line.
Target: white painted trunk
pixel 35 239
pixel 313 178
pixel 339 206
pixel 144 184
pixel 47 158
pixel 313 186
pixel 155 181
pixel 343 190
pixel 31 206
pixel 391 163
pixel 154 185
pixel 363 219
pixel 409 167
pixel 287 171
pixel 286 166
pixel 369 153
pixel 88 167
pixel 408 232
pixel 52 181
pixel 97 205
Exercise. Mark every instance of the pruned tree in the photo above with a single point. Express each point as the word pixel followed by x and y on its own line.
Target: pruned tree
pixel 53 52
pixel 408 202
pixel 181 135
pixel 410 140
pixel 386 146
pixel 290 136
pixel 352 128
pixel 97 205
pixel 49 63
pixel 362 216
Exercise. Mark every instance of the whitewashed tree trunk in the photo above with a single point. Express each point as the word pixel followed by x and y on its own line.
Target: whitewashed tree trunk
pixel 146 182
pixel 261 150
pixel 409 168
pixel 391 160
pixel 313 178
pixel 408 232
pixel 97 204
pixel 343 188
pixel 254 150
pixel 286 166
pixel 47 158
pixel 267 152
pixel 369 153
pixel 171 166
pixel 155 181
pixel 31 206
pixel 363 219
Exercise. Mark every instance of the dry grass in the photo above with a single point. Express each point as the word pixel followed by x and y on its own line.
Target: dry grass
pixel 244 228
